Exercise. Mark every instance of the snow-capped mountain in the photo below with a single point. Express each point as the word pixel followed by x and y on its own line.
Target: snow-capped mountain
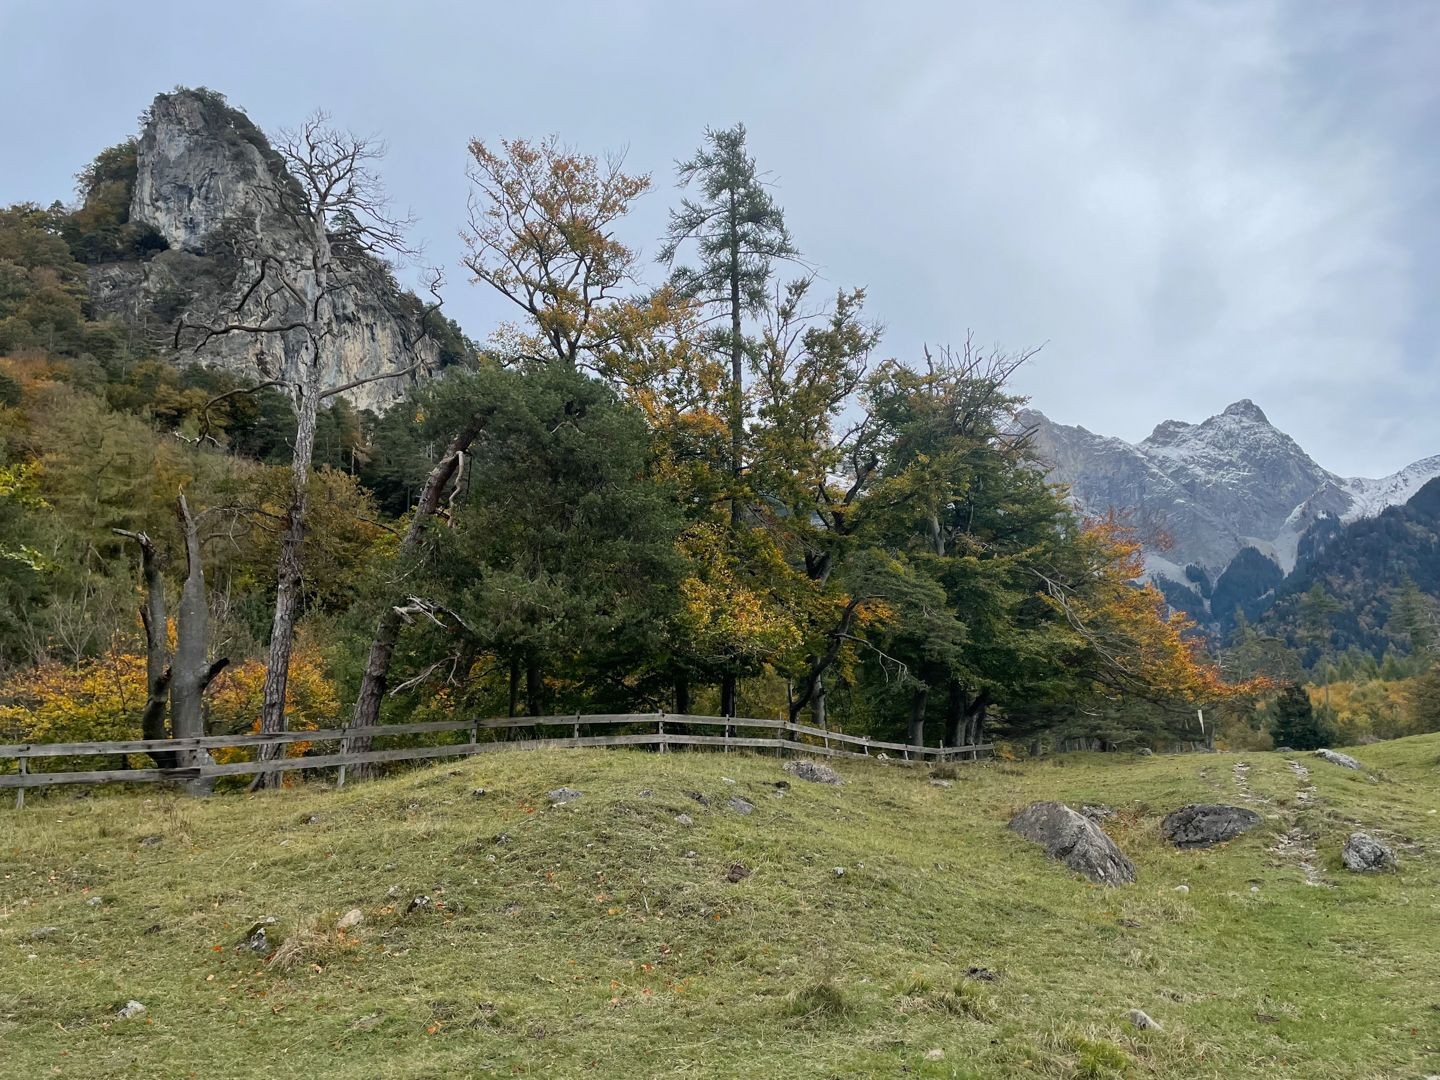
pixel 1213 488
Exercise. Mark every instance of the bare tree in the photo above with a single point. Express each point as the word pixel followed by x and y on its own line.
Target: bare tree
pixel 334 200
pixel 189 673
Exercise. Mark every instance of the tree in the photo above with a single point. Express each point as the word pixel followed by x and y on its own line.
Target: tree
pixel 1414 617
pixel 541 235
pixel 738 232
pixel 1295 723
pixel 188 673
pixel 333 197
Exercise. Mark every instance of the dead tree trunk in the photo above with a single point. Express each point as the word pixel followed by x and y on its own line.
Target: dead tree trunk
pixel 387 629
pixel 192 672
pixel 157 649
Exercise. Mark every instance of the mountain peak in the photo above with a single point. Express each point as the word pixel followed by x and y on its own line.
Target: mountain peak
pixel 1245 409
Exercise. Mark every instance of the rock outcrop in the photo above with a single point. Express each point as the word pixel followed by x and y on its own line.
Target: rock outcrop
pixel 208 182
pixel 1345 761
pixel 1204 824
pixel 1075 840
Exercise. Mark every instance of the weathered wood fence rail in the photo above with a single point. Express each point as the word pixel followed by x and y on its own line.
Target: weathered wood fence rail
pixel 667 731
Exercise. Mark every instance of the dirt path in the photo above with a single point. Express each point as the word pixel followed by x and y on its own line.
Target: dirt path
pixel 1294 846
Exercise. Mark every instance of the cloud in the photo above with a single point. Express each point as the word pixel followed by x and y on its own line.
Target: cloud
pixel 1189 202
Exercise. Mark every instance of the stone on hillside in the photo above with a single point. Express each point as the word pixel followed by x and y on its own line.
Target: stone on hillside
pixel 1099 812
pixel 684 819
pixel 1075 840
pixel 739 805
pixel 1204 824
pixel 420 903
pixel 43 932
pixel 1145 751
pixel 351 919
pixel 257 938
pixel 151 841
pixel 1336 758
pixel 563 795
pixel 817 772
pixel 738 872
pixel 1143 1021
pixel 1364 854
pixel 130 1010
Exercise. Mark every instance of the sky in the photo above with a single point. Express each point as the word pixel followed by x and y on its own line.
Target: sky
pixel 1184 203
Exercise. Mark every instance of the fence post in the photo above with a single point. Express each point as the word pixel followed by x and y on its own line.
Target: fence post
pixel 344 749
pixel 660 721
pixel 577 729
pixel 474 735
pixel 20 791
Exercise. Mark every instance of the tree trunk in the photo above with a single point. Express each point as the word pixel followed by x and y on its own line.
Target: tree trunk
pixel 514 686
pixel 737 390
pixel 534 688
pixel 729 687
pixel 819 716
pixel 916 734
pixel 191 671
pixel 292 542
pixel 954 714
pixel 157 650
pixel 975 718
pixel 682 695
pixel 387 629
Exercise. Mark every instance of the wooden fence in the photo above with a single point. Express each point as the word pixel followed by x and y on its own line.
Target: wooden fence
pixel 667 731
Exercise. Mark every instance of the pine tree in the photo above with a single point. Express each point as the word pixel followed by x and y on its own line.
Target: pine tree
pixel 1296 724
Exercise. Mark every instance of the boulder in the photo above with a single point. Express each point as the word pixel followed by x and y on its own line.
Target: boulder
pixel 1203 824
pixel 351 919
pixel 1075 840
pixel 563 795
pixel 1335 758
pixel 1366 855
pixel 739 805
pixel 130 1010
pixel 817 772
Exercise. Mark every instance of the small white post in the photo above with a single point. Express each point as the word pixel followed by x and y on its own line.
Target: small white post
pixel 660 721
pixel 20 791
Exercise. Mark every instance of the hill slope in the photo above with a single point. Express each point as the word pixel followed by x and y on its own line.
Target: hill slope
pixel 602 937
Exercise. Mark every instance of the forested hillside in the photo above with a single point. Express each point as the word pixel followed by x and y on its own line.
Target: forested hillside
pixel 698 484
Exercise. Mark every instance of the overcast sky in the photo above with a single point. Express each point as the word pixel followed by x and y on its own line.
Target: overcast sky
pixel 1186 203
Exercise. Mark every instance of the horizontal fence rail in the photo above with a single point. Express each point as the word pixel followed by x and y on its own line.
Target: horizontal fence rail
pixel 669 730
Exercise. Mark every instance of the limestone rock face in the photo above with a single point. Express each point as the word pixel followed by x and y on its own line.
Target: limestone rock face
pixel 1075 840
pixel 209 183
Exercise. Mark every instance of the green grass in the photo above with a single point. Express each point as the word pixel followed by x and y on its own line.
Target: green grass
pixel 588 940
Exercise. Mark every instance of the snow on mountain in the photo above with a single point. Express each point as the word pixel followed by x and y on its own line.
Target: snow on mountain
pixel 1210 489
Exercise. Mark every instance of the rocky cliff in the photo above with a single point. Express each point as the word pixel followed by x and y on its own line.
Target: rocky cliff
pixel 1230 482
pixel 206 181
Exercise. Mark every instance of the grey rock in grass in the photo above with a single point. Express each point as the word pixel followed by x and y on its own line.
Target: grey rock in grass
pixel 1098 812
pixel 817 772
pixel 257 938
pixel 43 932
pixel 563 795
pixel 1337 758
pixel 1203 824
pixel 130 1010
pixel 351 919
pixel 684 819
pixel 740 806
pixel 1143 1021
pixel 1074 840
pixel 1366 855
pixel 420 903
pixel 1145 751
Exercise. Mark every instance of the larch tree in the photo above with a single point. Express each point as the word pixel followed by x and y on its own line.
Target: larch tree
pixel 738 232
